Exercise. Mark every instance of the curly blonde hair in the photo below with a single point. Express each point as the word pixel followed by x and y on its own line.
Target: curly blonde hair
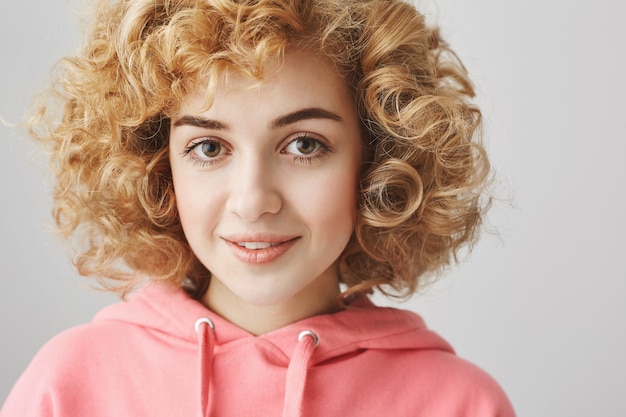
pixel 422 186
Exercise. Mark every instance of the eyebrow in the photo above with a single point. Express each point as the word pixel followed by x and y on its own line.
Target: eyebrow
pixel 197 121
pixel 304 114
pixel 281 121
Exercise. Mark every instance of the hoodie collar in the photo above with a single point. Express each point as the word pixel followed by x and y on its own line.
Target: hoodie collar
pixel 298 346
pixel 361 326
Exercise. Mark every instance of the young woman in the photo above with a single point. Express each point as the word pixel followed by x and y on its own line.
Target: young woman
pixel 250 171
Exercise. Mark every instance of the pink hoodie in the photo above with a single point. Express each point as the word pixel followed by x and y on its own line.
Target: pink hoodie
pixel 164 354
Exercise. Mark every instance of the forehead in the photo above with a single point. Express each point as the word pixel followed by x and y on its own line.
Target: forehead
pixel 299 76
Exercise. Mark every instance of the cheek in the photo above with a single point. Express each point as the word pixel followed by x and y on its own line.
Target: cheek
pixel 194 204
pixel 330 202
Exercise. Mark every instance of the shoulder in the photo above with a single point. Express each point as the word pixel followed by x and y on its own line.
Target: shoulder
pixel 69 351
pixel 52 372
pixel 419 370
pixel 65 366
pixel 448 383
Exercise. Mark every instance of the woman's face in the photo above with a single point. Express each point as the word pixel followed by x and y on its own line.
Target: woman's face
pixel 265 183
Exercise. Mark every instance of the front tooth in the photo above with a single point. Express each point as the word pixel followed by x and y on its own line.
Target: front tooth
pixel 256 245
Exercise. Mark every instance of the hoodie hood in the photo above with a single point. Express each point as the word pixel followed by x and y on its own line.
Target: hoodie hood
pixel 164 354
pixel 304 344
pixel 361 326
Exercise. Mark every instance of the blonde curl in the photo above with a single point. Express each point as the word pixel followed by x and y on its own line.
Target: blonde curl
pixel 106 123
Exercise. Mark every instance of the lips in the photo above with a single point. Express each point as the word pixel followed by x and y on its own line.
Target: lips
pixel 259 249
pixel 258 245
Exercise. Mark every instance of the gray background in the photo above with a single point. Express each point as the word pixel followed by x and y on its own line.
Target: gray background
pixel 540 305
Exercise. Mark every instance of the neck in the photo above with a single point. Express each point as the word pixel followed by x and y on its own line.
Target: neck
pixel 321 298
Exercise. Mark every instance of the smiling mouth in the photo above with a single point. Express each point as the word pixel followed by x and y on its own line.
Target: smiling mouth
pixel 260 250
pixel 258 245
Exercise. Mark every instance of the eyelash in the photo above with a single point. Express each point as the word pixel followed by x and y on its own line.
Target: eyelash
pixel 189 150
pixel 319 154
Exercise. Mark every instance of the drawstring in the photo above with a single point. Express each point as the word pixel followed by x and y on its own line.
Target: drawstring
pixel 206 342
pixel 297 373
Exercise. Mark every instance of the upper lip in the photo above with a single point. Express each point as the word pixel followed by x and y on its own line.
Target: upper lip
pixel 258 237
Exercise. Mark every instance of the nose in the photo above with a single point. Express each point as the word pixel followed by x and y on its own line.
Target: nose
pixel 254 190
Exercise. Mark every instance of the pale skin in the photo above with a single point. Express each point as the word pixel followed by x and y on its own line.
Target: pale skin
pixel 265 183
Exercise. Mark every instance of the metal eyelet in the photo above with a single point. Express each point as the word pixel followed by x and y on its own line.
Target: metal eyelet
pixel 204 320
pixel 309 333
